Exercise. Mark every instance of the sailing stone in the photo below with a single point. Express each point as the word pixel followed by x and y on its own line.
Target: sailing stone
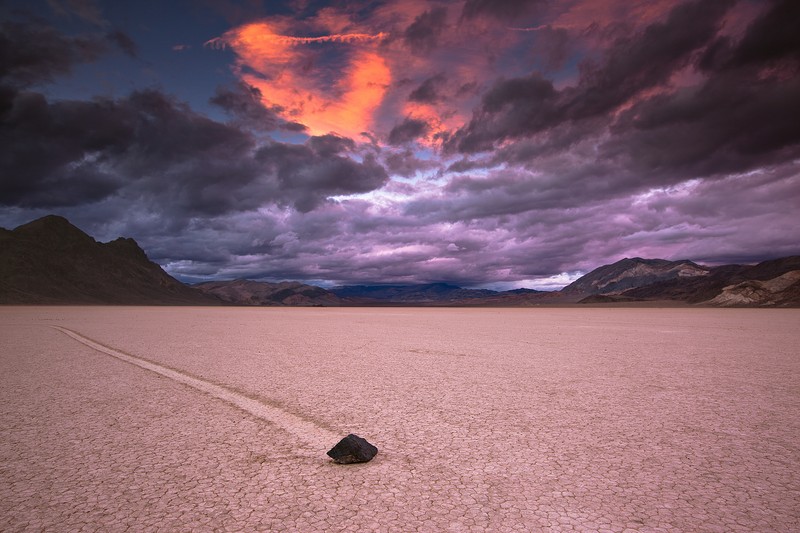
pixel 352 449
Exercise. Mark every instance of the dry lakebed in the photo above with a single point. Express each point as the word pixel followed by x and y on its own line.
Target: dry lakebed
pixel 542 419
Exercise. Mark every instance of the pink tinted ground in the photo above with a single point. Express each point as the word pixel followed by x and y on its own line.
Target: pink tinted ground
pixel 554 419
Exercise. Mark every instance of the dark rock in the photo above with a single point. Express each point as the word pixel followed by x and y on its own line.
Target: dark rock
pixel 352 449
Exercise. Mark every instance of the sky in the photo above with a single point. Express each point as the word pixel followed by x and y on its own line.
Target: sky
pixel 497 144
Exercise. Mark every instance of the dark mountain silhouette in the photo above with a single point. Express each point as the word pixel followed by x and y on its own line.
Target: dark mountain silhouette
pixel 247 292
pixel 50 261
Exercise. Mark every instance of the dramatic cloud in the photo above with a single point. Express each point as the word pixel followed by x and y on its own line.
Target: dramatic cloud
pixel 310 173
pixel 124 42
pixel 245 104
pixel 496 144
pixel 68 152
pixel 148 145
pixel 429 91
pixel 83 9
pixel 336 97
pixel 506 10
pixel 407 131
pixel 31 53
pixel 522 107
pixel 422 35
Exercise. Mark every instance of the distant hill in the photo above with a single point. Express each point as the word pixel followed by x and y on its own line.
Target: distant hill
pixel 247 292
pixel 50 261
pixel 434 294
pixel 783 290
pixel 425 293
pixel 768 284
pixel 633 273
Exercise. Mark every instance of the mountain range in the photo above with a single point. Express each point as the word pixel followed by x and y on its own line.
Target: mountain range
pixel 425 293
pixel 248 292
pixel 50 261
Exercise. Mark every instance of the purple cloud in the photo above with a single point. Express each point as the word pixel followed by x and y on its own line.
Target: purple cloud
pixel 515 144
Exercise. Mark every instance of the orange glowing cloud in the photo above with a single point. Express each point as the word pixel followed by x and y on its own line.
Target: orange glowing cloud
pixel 439 120
pixel 348 73
pixel 340 98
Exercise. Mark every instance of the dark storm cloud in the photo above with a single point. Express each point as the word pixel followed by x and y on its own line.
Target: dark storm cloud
pixel 646 60
pixel 83 9
pixel 405 164
pixel 510 109
pixel 731 124
pixel 741 118
pixel 422 35
pixel 465 165
pixel 408 130
pixel 553 47
pixel 32 53
pixel 330 144
pixel 521 107
pixel 308 174
pixel 563 138
pixel 75 151
pixel 124 42
pixel 577 134
pixel 245 104
pixel 148 166
pixel 150 146
pixel 364 246
pixel 44 145
pixel 505 192
pixel 772 40
pixel 183 161
pixel 429 91
pixel 773 37
pixel 505 10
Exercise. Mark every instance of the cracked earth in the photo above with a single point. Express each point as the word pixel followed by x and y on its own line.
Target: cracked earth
pixel 202 419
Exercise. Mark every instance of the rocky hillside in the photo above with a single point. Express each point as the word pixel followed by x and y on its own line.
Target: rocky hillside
pixel 50 261
pixel 247 292
pixel 780 291
pixel 632 273
pixel 772 283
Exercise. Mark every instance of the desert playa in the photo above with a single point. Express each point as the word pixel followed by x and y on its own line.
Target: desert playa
pixel 558 419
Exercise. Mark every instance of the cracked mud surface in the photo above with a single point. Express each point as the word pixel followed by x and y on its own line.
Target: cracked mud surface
pixel 486 420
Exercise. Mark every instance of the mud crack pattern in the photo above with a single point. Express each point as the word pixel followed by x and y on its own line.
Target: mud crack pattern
pixel 487 420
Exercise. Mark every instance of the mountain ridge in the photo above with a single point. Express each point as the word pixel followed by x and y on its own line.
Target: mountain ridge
pixel 287 293
pixel 416 293
pixel 630 273
pixel 50 261
pixel 722 278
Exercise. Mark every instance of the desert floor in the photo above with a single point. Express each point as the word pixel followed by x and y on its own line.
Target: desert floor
pixel 555 419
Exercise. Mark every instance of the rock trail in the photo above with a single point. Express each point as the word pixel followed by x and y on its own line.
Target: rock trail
pixel 308 432
pixel 560 419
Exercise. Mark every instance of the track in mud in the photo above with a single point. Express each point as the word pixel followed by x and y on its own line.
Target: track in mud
pixel 307 431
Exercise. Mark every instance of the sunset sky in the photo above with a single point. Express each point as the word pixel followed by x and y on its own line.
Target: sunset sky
pixel 497 144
